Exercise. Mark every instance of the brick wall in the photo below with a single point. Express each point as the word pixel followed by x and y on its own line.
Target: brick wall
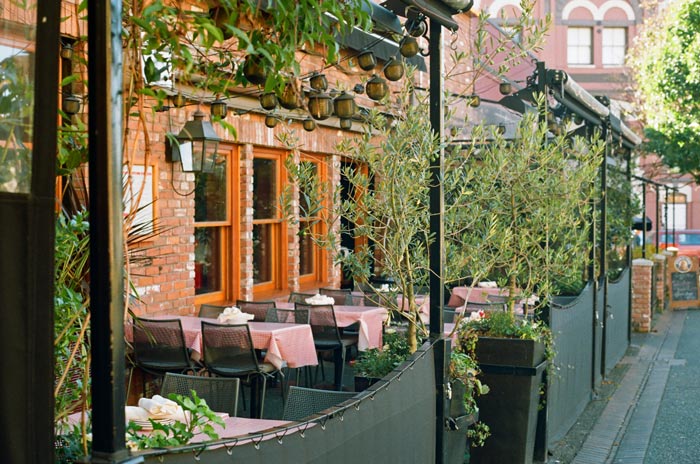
pixel 641 294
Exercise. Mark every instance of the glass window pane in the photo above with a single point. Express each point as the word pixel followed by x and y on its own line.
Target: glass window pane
pixel 579 46
pixel 207 260
pixel 265 188
pixel 614 46
pixel 306 249
pixel 211 194
pixel 262 253
pixel 16 106
pixel 304 199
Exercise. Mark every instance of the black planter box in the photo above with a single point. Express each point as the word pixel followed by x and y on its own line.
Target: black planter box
pixel 363 383
pixel 512 368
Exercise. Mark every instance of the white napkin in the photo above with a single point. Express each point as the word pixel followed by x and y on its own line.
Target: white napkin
pixel 234 315
pixel 135 413
pixel 319 299
pixel 488 284
pixel 162 408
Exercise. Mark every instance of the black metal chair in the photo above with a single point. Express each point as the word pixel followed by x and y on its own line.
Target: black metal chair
pixel 228 351
pixel 289 316
pixel 220 393
pixel 256 308
pixel 341 296
pixel 299 297
pixel 328 337
pixel 303 402
pixel 211 311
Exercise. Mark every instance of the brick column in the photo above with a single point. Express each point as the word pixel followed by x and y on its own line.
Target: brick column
pixel 641 294
pixel 660 281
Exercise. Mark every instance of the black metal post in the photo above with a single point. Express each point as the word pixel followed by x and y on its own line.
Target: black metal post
pixel 657 216
pixel 644 220
pixel 437 255
pixel 106 247
pixel 607 136
pixel 666 215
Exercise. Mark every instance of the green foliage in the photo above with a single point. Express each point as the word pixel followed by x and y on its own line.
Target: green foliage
pixel 376 363
pixel 665 64
pixel 200 419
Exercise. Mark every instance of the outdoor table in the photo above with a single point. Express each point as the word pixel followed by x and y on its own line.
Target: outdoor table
pixel 370 319
pixel 293 343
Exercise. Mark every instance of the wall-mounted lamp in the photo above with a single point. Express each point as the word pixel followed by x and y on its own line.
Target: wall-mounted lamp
pixel 219 108
pixel 366 60
pixel 393 70
pixel 309 124
pixel 195 147
pixel 70 104
pixel 67 51
pixel 178 100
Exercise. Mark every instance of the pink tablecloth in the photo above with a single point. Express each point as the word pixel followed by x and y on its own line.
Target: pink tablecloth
pixel 293 343
pixel 370 319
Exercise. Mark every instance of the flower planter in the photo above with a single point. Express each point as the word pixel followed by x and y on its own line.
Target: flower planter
pixel 458 421
pixel 512 368
pixel 363 383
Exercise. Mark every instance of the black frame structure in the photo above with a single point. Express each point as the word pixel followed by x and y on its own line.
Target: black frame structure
pixel 27 269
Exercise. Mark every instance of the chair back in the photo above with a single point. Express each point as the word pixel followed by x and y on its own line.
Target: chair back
pixel 341 296
pixel 159 345
pixel 289 316
pixel 220 393
pixel 256 308
pixel 227 349
pixel 210 311
pixel 474 306
pixel 323 324
pixel 298 297
pixel 303 402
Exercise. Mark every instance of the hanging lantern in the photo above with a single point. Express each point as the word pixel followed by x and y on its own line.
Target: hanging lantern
pixel 344 105
pixel 290 98
pixel 318 81
pixel 505 88
pixel 219 108
pixel 197 146
pixel 67 51
pixel 268 101
pixel 393 70
pixel 366 60
pixel 309 124
pixel 345 123
pixel 376 88
pixel 416 26
pixel 254 70
pixel 409 47
pixel 70 104
pixel 320 106
pixel 474 101
pixel 178 100
pixel 271 121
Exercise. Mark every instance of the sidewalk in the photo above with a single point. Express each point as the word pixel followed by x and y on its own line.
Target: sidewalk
pixel 649 406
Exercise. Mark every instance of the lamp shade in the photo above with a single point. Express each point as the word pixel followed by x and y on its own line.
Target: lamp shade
pixel 219 108
pixel 268 101
pixel 198 145
pixel 254 70
pixel 409 47
pixel 344 105
pixel 270 121
pixel 178 100
pixel 393 70
pixel 345 123
pixel 320 106
pixel 505 88
pixel 474 101
pixel 376 88
pixel 309 124
pixel 318 81
pixel 290 97
pixel 366 60
pixel 70 104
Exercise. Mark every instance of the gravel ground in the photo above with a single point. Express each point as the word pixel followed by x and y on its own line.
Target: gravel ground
pixel 565 450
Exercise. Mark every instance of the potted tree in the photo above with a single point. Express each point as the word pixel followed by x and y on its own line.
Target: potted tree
pixel 531 194
pixel 373 364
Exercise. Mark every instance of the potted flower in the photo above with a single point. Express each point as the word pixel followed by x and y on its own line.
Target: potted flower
pixel 373 364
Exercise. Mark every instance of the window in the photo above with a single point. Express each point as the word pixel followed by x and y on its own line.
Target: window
pixel 267 223
pixel 580 45
pixel 212 229
pixel 310 255
pixel 614 46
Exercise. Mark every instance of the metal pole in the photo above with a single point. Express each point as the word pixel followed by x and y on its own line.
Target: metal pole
pixel 607 135
pixel 106 248
pixel 644 220
pixel 437 259
pixel 666 215
pixel 658 217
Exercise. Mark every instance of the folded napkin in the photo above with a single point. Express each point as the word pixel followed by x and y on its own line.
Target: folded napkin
pixel 162 408
pixel 135 413
pixel 234 315
pixel 385 288
pixel 488 284
pixel 319 299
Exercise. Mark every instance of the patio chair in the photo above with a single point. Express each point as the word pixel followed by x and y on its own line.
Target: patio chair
pixel 290 316
pixel 342 296
pixel 220 393
pixel 328 338
pixel 228 351
pixel 303 402
pixel 298 297
pixel 256 308
pixel 211 311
